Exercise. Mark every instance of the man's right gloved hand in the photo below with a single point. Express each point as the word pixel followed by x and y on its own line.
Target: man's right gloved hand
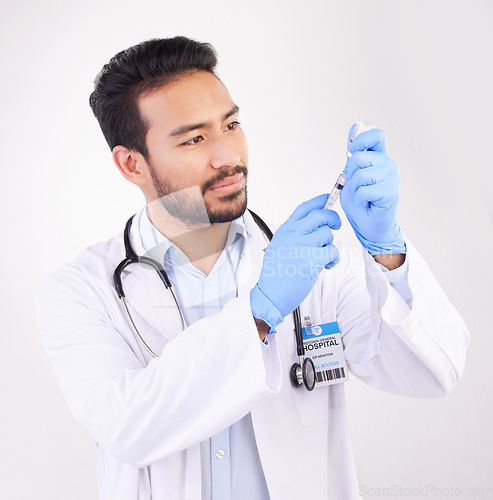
pixel 295 257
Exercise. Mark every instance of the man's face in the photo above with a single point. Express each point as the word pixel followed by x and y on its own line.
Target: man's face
pixel 194 139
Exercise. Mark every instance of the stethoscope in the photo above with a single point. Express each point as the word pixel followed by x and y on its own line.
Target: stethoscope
pixel 301 373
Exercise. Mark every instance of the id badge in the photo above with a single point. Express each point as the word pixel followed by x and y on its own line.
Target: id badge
pixel 322 343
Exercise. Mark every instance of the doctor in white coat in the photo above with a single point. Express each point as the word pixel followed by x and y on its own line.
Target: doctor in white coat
pixel 207 409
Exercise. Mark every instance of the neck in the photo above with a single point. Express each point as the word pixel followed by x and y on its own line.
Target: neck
pixel 202 243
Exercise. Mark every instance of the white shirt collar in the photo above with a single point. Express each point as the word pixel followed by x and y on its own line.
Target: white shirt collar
pixel 162 250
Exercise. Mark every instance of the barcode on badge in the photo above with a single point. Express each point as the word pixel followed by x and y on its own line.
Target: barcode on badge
pixel 329 375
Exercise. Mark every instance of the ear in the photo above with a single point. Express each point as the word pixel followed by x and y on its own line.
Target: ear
pixel 131 165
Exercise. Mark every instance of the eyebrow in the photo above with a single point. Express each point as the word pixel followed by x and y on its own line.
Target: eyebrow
pixel 188 128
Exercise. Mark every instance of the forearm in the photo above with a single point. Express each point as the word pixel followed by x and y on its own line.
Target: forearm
pixel 415 352
pixel 390 261
pixel 262 328
pixel 204 380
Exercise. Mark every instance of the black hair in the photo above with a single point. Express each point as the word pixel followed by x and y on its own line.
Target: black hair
pixel 135 71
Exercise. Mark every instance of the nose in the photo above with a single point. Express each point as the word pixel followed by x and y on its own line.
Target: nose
pixel 224 153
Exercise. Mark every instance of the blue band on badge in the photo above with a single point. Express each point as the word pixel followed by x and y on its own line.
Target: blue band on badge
pixel 317 331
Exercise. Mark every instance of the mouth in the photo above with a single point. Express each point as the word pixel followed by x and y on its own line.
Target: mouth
pixel 228 185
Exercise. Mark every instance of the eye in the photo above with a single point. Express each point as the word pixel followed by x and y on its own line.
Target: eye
pixel 232 125
pixel 192 141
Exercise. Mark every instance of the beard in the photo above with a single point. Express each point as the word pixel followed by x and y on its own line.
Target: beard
pixel 188 205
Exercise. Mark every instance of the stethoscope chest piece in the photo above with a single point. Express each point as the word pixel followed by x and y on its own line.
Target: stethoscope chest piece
pixel 303 373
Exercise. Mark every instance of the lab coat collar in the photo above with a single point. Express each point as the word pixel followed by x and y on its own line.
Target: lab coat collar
pixel 146 293
pixel 252 258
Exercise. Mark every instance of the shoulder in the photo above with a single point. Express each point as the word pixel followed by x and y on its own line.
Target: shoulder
pixel 92 269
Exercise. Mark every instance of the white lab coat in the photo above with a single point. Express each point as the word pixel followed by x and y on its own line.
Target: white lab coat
pixel 148 416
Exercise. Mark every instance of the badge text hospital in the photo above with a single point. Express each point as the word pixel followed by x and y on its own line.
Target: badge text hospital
pixel 322 343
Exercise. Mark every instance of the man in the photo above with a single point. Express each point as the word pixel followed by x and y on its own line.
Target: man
pixel 204 404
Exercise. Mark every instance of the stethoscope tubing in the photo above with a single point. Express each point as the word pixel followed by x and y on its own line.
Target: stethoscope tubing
pixel 132 258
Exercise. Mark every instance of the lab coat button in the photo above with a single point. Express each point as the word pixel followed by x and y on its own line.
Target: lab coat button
pixel 219 454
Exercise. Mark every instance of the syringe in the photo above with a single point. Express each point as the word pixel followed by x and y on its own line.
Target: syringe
pixel 336 190
pixel 360 127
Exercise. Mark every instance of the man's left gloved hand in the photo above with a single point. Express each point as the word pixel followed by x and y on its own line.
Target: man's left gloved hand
pixel 300 249
pixel 371 193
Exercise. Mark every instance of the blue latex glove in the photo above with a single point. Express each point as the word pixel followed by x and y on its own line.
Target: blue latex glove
pixel 371 193
pixel 293 260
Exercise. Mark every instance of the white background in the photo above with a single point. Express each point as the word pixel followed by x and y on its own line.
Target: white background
pixel 302 73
